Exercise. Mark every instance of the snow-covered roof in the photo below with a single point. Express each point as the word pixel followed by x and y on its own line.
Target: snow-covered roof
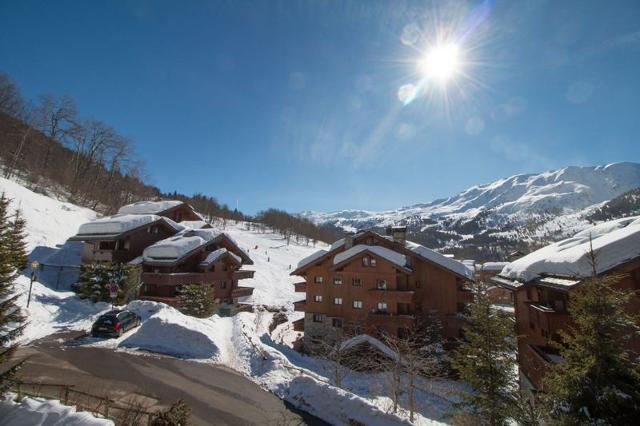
pixel 171 249
pixel 195 224
pixel 394 257
pixel 116 224
pixel 439 259
pixel 217 254
pixel 494 266
pixel 371 341
pixel 148 207
pixel 311 258
pixel 137 261
pixel 614 243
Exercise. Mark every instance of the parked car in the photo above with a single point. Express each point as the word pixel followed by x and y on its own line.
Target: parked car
pixel 115 323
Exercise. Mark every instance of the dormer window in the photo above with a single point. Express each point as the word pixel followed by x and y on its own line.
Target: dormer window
pixel 369 261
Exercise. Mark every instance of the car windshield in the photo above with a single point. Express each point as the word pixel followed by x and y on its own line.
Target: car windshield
pixel 107 320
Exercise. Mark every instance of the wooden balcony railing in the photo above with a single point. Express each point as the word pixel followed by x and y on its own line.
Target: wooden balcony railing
pixel 241 292
pixel 243 273
pixel 300 287
pixel 300 306
pixel 179 278
pixel 393 295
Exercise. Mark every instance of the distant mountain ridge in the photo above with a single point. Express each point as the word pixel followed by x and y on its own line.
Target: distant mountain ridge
pixel 490 219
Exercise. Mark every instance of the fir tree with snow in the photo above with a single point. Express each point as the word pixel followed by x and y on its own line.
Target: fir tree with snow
pixel 196 300
pixel 95 279
pixel 485 359
pixel 598 381
pixel 16 242
pixel 12 322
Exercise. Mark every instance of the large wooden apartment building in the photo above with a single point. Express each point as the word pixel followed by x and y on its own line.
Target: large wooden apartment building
pixel 543 283
pixel 379 284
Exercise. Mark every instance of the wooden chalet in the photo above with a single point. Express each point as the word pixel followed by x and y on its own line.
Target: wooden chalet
pixel 195 256
pixel 541 292
pixel 175 210
pixel 122 238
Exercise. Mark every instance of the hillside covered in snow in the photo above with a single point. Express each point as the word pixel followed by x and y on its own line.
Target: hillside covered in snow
pixel 487 221
pixel 245 342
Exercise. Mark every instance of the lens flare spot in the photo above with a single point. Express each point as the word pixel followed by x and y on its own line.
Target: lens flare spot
pixel 410 35
pixel 407 93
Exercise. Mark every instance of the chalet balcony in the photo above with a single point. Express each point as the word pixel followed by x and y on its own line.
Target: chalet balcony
pixel 177 278
pixel 393 296
pixel 241 292
pixel 301 287
pixel 382 317
pixel 110 255
pixel 298 325
pixel 300 306
pixel 242 274
pixel 547 318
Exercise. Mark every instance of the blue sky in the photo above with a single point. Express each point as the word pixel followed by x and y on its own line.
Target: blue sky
pixel 295 104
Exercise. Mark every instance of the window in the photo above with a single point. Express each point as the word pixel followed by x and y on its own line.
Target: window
pixel 223 284
pixel 107 245
pixel 357 304
pixel 382 306
pixel 356 281
pixel 317 299
pixel 336 322
pixel 365 261
pixel 317 280
pixel 368 261
pixel 337 280
pixel 318 318
pixel 372 261
pixel 337 301
pixel 381 284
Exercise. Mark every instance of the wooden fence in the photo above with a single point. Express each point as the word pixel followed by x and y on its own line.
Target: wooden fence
pixel 121 413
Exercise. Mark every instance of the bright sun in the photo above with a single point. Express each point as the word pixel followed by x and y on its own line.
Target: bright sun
pixel 441 63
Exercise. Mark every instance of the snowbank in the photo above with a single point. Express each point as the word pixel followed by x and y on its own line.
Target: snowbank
pixel 372 341
pixel 394 257
pixel 148 207
pixel 494 266
pixel 43 412
pixel 614 242
pixel 166 330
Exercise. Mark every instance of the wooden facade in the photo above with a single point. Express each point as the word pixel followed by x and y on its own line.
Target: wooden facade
pixel 541 310
pixel 161 281
pixel 370 292
pixel 125 246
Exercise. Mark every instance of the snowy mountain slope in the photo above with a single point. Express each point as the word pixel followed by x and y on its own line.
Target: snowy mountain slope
pixel 485 213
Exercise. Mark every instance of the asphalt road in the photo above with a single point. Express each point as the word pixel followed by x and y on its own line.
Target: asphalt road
pixel 215 395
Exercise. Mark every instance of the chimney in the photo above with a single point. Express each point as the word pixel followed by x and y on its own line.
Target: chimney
pixel 348 240
pixel 398 233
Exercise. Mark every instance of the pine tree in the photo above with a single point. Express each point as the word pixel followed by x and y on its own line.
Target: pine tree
pixel 485 360
pixel 16 241
pixel 12 323
pixel 599 380
pixel 196 300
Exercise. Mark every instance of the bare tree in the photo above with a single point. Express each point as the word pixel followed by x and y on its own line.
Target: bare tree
pixel 10 99
pixel 54 116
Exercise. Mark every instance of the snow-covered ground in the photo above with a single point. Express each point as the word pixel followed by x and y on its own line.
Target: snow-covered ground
pixel 45 412
pixel 242 342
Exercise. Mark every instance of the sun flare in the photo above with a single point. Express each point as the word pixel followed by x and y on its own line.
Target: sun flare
pixel 441 63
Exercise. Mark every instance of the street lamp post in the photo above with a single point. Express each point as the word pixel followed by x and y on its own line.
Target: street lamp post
pixel 34 267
